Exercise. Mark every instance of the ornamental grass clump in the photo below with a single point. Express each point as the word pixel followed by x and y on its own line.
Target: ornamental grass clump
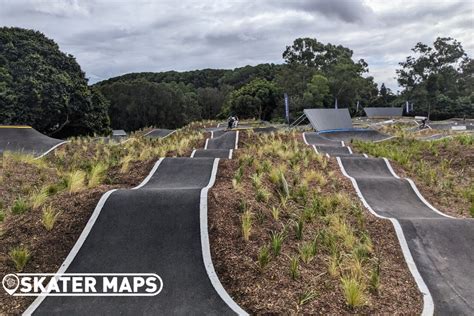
pixel 20 256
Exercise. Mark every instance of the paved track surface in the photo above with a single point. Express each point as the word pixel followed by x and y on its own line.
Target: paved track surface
pixel 449 125
pixel 359 134
pixel 440 246
pixel 157 228
pixel 27 140
pixel 159 132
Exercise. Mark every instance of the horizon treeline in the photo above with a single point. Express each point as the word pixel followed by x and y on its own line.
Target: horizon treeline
pixel 45 88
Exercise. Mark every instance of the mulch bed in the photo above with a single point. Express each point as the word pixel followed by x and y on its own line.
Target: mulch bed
pixel 273 291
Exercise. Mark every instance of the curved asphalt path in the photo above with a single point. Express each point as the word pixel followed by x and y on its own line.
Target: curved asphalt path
pixel 437 248
pixel 27 140
pixel 158 227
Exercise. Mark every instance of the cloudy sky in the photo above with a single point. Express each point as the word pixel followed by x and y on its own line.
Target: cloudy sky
pixel 110 38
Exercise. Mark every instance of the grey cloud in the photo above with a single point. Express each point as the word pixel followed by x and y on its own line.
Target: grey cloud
pixel 350 11
pixel 110 38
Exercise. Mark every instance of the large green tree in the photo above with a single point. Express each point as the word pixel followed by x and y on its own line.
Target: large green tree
pixel 257 99
pixel 138 103
pixel 45 88
pixel 345 77
pixel 438 79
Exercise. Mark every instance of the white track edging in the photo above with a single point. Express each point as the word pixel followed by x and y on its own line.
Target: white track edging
pixel 85 232
pixel 237 140
pixel 206 249
pixel 428 305
pixel 304 139
pixel 51 149
pixel 382 140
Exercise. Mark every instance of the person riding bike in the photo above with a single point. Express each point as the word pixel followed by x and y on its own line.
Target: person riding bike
pixel 230 122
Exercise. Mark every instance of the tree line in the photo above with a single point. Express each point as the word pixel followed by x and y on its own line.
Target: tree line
pixel 45 88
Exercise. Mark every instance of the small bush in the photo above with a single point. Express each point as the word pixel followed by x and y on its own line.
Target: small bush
pixel 20 256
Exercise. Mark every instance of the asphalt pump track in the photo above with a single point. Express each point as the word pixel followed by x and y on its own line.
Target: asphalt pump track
pixel 26 140
pixel 437 247
pixel 158 227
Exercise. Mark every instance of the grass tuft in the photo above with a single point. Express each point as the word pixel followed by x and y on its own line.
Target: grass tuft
pixel 353 290
pixel 49 217
pixel 263 257
pixel 246 224
pixel 76 181
pixel 97 175
pixel 294 267
pixel 20 206
pixel 20 256
pixel 276 240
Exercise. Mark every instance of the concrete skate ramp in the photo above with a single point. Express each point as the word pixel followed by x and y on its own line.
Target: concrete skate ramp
pixel 383 112
pixel 27 140
pixel 359 134
pixel 442 249
pixel 159 227
pixel 329 119
pixel 159 132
